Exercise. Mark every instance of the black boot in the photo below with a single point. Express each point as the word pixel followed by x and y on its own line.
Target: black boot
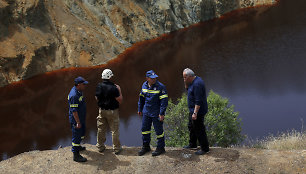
pixel 78 158
pixel 190 146
pixel 82 148
pixel 145 148
pixel 158 151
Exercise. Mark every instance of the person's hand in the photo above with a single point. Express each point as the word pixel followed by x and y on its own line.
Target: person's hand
pixel 194 116
pixel 186 86
pixel 161 117
pixel 118 87
pixel 78 125
pixel 140 113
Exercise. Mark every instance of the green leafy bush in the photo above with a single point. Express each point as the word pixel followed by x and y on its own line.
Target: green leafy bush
pixel 223 126
pixel 176 122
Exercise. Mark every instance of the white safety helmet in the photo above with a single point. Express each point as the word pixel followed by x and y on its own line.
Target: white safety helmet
pixel 107 74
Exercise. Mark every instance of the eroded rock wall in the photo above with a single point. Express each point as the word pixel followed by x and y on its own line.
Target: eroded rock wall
pixel 38 36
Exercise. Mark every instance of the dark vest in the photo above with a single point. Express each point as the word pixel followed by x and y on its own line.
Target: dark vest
pixel 107 93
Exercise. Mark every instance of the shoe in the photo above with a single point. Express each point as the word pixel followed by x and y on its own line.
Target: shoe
pixel 101 147
pixel 101 150
pixel 78 158
pixel 144 150
pixel 201 152
pixel 118 151
pixel 82 148
pixel 158 151
pixel 189 147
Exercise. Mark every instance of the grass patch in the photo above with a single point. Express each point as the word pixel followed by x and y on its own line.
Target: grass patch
pixel 291 140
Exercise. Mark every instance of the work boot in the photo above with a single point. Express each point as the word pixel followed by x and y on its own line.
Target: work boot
pixel 190 147
pixel 82 148
pixel 118 151
pixel 101 149
pixel 201 152
pixel 78 158
pixel 144 150
pixel 158 151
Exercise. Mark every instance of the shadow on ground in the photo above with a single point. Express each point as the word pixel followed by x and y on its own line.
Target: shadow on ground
pixel 106 161
pixel 220 154
pixel 224 154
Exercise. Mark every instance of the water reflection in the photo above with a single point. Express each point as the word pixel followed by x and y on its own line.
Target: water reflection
pixel 255 57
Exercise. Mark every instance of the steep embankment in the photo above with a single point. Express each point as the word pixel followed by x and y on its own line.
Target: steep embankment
pixel 175 160
pixel 37 36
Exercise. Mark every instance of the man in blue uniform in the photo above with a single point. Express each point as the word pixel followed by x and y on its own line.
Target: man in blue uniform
pixel 77 117
pixel 152 104
pixel 197 104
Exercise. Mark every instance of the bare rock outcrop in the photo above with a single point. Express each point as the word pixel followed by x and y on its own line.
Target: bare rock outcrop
pixel 38 36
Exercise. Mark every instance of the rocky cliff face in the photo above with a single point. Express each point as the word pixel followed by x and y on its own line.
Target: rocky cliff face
pixel 38 36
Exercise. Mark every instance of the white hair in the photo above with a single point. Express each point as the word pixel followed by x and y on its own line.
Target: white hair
pixel 189 72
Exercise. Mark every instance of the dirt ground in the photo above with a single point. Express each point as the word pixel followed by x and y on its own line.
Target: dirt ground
pixel 175 160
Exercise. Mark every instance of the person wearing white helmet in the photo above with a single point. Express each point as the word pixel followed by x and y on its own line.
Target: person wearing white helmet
pixel 109 97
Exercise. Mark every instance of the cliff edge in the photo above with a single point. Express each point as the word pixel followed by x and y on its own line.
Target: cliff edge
pixel 175 160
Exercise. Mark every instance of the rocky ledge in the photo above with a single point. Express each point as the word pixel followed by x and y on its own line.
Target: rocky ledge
pixel 175 160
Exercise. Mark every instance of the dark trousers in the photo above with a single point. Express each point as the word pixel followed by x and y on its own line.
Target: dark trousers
pixel 146 130
pixel 77 135
pixel 197 132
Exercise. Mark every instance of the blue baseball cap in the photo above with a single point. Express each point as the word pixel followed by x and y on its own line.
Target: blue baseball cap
pixel 151 74
pixel 79 80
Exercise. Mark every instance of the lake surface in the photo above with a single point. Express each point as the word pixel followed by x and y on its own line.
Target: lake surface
pixel 255 57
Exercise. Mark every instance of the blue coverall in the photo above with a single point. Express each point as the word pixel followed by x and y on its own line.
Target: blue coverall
pixel 77 104
pixel 153 102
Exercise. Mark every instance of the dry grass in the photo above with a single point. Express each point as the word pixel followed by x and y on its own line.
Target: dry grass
pixel 292 140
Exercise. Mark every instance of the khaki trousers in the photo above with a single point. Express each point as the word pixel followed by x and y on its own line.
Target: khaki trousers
pixel 108 118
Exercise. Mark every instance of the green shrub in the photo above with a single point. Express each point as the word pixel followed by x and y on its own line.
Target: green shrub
pixel 222 123
pixel 176 122
pixel 223 126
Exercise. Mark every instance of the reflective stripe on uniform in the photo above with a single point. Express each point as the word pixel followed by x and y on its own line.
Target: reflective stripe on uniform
pixel 151 91
pixel 141 95
pixel 81 98
pixel 160 136
pixel 74 105
pixel 146 132
pixel 73 144
pixel 163 96
pixel 68 97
